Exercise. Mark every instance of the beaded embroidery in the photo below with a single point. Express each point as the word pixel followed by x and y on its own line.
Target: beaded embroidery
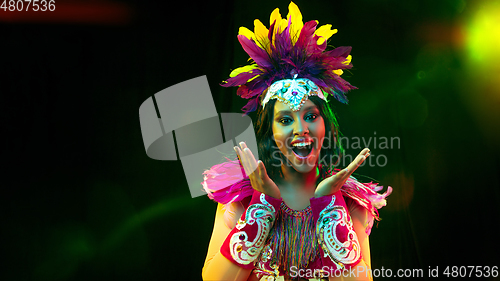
pixel 242 250
pixel 340 252
pixel 293 92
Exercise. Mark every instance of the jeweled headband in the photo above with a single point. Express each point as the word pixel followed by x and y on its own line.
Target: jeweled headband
pixel 290 60
pixel 293 92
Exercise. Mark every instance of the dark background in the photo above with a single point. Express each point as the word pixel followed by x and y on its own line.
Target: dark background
pixel 82 201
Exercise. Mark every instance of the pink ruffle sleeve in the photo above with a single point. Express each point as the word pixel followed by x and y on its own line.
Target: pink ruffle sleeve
pixel 227 183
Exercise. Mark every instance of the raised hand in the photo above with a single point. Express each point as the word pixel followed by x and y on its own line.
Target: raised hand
pixel 333 184
pixel 256 171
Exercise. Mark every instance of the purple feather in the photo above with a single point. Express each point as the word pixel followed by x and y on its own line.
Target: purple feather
pixel 241 78
pixel 255 52
pixel 306 58
pixel 251 106
pixel 252 89
pixel 306 35
pixel 334 63
pixel 343 51
pixel 270 33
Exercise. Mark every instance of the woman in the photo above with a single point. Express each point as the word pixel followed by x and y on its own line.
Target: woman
pixel 292 218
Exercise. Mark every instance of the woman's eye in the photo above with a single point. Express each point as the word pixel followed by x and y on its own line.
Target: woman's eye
pixel 311 117
pixel 285 121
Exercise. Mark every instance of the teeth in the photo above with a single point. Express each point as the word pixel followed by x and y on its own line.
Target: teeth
pixel 301 144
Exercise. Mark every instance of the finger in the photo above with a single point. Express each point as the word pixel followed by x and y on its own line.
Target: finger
pixel 249 165
pixel 243 145
pixel 339 177
pixel 357 161
pixel 262 170
pixel 365 151
pixel 238 153
pixel 360 158
pixel 243 160
pixel 252 163
pixel 237 150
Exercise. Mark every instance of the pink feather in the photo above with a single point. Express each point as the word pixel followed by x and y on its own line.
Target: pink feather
pixel 306 34
pixel 259 55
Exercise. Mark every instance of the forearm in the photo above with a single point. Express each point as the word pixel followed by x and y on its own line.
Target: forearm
pixel 232 253
pixel 219 268
pixel 245 242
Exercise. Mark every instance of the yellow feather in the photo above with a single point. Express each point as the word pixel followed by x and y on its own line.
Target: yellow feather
pixel 246 32
pixel 347 60
pixel 261 32
pixel 246 68
pixel 325 32
pixel 253 78
pixel 338 71
pixel 297 24
pixel 275 17
pixel 283 25
pixel 260 29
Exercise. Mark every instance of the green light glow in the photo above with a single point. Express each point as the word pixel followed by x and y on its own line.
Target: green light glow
pixel 483 34
pixel 134 222
pixel 123 247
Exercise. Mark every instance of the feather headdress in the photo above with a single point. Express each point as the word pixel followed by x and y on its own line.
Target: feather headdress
pixel 289 48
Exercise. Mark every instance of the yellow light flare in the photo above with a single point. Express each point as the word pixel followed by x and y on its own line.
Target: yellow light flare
pixel 479 84
pixel 483 34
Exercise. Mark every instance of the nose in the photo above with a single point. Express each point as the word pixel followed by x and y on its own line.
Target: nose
pixel 300 128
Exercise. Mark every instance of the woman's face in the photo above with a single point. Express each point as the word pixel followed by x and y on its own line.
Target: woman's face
pixel 299 134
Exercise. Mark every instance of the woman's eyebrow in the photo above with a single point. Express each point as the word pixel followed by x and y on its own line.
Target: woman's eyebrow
pixel 281 112
pixel 310 107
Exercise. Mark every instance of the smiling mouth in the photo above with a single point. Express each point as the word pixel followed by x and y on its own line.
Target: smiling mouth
pixel 302 150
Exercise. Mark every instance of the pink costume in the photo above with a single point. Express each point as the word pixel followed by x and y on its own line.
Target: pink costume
pixel 290 63
pixel 274 240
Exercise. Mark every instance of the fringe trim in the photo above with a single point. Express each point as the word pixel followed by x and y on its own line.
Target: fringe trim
pixel 293 240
